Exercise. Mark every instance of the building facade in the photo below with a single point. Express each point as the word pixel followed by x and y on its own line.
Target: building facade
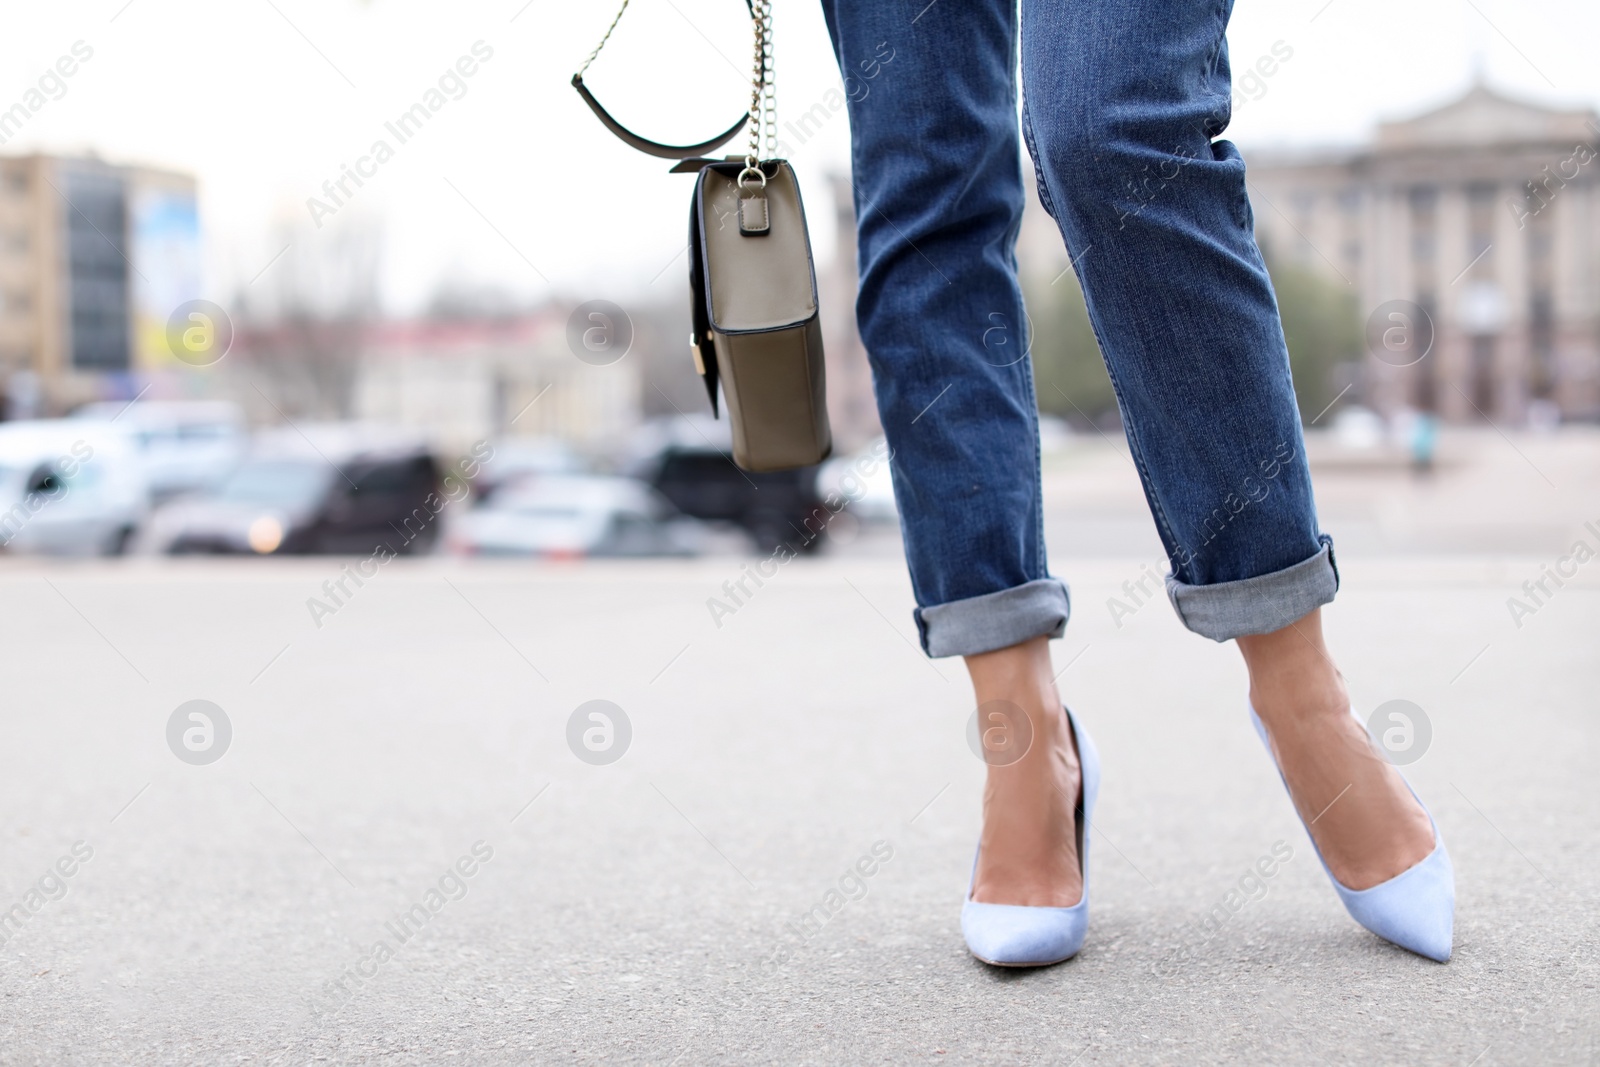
pixel 852 408
pixel 454 381
pixel 460 382
pixel 94 257
pixel 1471 236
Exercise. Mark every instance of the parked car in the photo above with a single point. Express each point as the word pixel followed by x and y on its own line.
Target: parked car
pixel 183 445
pixel 689 461
pixel 863 481
pixel 317 489
pixel 69 488
pixel 515 459
pixel 570 516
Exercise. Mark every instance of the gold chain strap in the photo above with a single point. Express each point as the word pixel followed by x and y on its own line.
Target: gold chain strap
pixel 604 39
pixel 770 78
pixel 763 94
pixel 758 80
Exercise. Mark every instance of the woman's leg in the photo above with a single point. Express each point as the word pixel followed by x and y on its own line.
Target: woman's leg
pixel 938 201
pixel 1123 100
pixel 1028 853
pixel 938 196
pixel 1358 808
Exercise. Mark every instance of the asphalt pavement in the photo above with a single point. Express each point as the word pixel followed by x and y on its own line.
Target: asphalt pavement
pixel 502 812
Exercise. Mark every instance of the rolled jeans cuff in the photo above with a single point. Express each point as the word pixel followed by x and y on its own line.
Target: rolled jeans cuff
pixel 1257 605
pixel 995 620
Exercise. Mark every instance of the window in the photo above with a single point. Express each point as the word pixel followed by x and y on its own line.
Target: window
pixel 1482 388
pixel 394 477
pixel 1424 204
pixel 276 483
pixel 1541 338
pixel 1425 372
pixel 97 269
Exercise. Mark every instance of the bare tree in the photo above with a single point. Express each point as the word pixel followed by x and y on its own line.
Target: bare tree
pixel 303 324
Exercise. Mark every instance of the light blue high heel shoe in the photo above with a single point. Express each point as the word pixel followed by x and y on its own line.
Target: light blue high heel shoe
pixel 1416 908
pixel 1013 935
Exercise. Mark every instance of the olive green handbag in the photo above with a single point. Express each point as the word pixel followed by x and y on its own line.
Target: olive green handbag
pixel 754 288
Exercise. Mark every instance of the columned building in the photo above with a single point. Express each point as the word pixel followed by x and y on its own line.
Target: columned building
pixel 1471 236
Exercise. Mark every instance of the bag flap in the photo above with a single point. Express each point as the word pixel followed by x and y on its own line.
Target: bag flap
pixel 754 283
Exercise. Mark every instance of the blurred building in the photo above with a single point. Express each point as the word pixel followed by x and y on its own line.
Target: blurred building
pixel 94 258
pixel 852 409
pixel 1482 215
pixel 461 381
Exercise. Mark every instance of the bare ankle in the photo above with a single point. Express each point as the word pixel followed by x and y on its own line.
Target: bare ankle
pixel 1021 668
pixel 1019 678
pixel 1291 672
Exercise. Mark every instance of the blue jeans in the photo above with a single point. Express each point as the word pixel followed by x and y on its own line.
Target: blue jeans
pixel 1124 100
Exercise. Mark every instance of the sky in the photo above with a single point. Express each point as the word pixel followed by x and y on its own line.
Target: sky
pixel 512 184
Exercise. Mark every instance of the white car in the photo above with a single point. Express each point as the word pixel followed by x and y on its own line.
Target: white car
pixel 184 445
pixel 69 487
pixel 863 481
pixel 571 516
pixel 516 459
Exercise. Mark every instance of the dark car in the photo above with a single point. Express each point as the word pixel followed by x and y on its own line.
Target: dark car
pixel 690 462
pixel 335 489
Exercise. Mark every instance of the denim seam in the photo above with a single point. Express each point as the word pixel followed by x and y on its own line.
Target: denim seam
pixel 1041 558
pixel 1217 50
pixel 1039 180
pixel 1116 388
pixel 1130 430
pixel 1041 561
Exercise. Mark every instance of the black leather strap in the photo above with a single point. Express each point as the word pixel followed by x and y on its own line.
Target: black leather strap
pixel 695 164
pixel 644 144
